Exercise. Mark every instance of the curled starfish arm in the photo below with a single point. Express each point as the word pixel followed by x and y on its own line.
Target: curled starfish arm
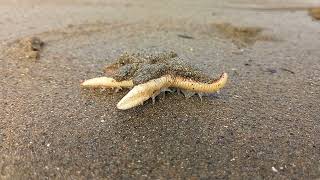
pixel 143 92
pixel 152 88
pixel 199 87
pixel 107 82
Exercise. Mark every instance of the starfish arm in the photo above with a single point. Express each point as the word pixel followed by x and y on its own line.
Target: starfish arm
pixel 107 82
pixel 152 88
pixel 143 92
pixel 198 87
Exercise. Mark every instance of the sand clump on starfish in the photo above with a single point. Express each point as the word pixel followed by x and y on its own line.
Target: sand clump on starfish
pixel 147 75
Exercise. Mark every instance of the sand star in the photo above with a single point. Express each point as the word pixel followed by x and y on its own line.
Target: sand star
pixel 149 75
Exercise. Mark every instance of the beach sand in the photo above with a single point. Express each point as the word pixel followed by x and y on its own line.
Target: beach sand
pixel 265 124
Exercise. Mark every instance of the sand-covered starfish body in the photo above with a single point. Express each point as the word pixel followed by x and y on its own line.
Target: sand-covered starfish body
pixel 149 75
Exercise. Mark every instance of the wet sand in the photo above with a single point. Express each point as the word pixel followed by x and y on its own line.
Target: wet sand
pixel 265 124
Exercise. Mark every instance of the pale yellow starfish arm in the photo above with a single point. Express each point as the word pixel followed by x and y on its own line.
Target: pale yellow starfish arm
pixel 107 82
pixel 199 87
pixel 143 92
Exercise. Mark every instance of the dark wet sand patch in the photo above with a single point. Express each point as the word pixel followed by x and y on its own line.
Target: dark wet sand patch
pixel 279 6
pixel 313 10
pixel 315 13
pixel 242 36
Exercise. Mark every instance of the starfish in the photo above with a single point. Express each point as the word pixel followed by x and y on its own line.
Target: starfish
pixel 149 75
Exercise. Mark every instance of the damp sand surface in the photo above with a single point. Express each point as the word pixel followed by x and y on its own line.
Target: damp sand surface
pixel 263 125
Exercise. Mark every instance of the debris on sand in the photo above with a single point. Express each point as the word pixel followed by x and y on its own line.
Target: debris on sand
pixel 241 36
pixel 274 169
pixel 315 13
pixel 27 48
pixel 287 70
pixel 271 70
pixel 185 36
